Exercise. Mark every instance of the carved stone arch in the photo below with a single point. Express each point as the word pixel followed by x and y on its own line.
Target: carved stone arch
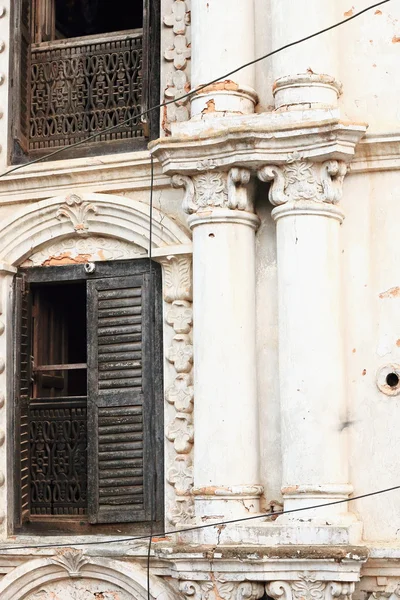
pixel 104 215
pixel 71 567
pixel 40 232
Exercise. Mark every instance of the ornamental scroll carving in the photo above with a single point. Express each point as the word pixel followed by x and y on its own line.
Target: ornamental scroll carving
pixel 219 588
pixel 180 431
pixel 215 189
pixel 300 179
pixel 77 211
pixel 309 588
pixel 177 53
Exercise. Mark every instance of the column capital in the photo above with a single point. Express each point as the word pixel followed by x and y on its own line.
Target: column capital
pixel 299 179
pixel 307 587
pixel 218 196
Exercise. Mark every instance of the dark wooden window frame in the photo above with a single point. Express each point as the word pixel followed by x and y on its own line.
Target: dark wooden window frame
pixel 76 273
pixel 19 93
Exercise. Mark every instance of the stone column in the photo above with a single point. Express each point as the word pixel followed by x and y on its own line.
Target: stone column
pixel 226 445
pixel 311 359
pixel 222 40
pixel 306 74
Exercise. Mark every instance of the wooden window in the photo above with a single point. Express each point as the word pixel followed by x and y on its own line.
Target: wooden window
pixel 79 69
pixel 88 407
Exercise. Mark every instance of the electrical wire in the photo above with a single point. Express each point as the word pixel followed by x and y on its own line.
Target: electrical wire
pixel 198 89
pixel 164 534
pixel 152 491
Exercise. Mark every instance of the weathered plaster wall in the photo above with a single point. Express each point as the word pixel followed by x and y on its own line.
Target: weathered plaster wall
pixel 371 255
pixel 369 60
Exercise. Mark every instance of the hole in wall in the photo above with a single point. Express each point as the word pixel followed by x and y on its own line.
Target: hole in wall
pixel 388 379
pixel 211 235
pixel 392 379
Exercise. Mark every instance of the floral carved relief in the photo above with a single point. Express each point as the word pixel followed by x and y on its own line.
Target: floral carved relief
pixel 299 179
pixel 215 189
pixel 309 588
pixel 219 588
pixel 77 211
pixel 177 54
pixel 180 431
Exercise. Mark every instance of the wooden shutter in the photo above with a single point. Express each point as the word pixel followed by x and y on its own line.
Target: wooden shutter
pixel 120 400
pixel 22 361
pixel 21 80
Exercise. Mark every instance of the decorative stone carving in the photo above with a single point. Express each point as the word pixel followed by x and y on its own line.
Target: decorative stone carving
pixel 215 189
pixel 71 560
pixel 182 511
pixel 180 316
pixel 181 393
pixel 181 432
pixel 84 249
pixel 180 475
pixel 304 180
pixel 309 588
pixel 178 293
pixel 178 54
pixel 180 354
pixel 77 211
pixel 178 279
pixel 84 589
pixel 219 588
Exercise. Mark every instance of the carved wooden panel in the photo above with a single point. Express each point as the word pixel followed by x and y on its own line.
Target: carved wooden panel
pixel 58 456
pixel 82 87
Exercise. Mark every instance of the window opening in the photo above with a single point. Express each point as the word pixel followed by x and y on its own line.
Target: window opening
pixel 83 69
pixel 57 410
pixel 76 18
pixel 89 393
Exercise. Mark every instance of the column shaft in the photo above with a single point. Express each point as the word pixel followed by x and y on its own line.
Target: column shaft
pixel 223 39
pixel 311 361
pixel 304 74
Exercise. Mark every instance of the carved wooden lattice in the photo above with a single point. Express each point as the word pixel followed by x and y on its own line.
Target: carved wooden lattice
pixel 82 87
pixel 58 451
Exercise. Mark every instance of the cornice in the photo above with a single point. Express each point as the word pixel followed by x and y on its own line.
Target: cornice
pixel 109 173
pixel 255 140
pixel 377 152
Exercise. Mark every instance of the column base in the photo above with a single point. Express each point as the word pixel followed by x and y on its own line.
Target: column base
pixel 322 498
pixel 309 90
pixel 223 98
pixel 221 503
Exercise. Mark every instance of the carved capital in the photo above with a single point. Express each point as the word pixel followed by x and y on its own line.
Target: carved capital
pixel 216 189
pixel 307 587
pixel 218 588
pixel 300 179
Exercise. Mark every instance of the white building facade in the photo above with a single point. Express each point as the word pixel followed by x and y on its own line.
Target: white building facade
pixel 268 199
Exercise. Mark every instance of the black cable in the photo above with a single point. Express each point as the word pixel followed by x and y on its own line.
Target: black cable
pixel 153 473
pixel 198 89
pixel 164 534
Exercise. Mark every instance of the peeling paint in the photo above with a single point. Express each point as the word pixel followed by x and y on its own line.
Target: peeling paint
pixel 394 292
pixel 378 12
pixel 349 13
pixel 227 84
pixel 395 39
pixel 66 259
pixel 210 107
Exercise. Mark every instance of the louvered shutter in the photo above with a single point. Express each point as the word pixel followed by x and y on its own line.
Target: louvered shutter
pixel 119 400
pixel 22 76
pixel 22 391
